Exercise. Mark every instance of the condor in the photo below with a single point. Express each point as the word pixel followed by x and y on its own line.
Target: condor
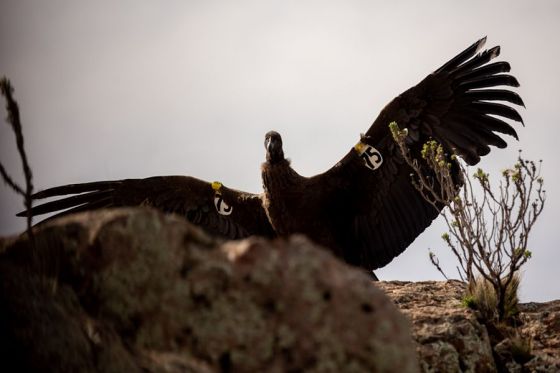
pixel 365 208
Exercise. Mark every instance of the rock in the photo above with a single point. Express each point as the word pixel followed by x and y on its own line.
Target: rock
pixel 540 323
pixel 504 351
pixel 134 290
pixel 543 364
pixel 452 338
pixel 448 336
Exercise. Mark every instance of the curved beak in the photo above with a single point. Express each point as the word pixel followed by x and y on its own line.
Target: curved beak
pixel 267 144
pixel 271 145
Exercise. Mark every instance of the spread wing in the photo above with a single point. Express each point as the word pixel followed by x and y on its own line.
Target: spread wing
pixel 454 105
pixel 229 213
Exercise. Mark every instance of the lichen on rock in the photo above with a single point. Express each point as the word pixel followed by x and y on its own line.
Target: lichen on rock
pixel 133 289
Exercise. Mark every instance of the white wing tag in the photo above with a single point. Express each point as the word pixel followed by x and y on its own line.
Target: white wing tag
pixel 221 206
pixel 372 157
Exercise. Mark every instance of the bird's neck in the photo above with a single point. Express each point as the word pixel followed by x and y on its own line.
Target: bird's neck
pixel 276 157
pixel 279 176
pixel 281 185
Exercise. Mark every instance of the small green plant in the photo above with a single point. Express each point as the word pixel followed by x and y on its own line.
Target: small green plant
pixel 485 298
pixel 488 228
pixel 468 301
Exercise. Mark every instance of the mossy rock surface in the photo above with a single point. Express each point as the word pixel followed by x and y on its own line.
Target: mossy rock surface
pixel 132 289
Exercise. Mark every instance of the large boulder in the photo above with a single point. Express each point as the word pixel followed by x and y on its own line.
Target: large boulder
pixel 134 290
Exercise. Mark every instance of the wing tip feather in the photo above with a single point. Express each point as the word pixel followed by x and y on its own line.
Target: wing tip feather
pixel 480 43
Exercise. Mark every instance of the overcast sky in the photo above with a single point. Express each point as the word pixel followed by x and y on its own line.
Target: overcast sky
pixel 112 90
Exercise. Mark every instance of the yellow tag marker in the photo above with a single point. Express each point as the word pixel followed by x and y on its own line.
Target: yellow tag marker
pixel 359 147
pixel 216 185
pixel 221 206
pixel 372 157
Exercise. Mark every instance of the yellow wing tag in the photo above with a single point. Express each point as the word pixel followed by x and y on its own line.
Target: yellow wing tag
pixel 216 186
pixel 372 157
pixel 221 206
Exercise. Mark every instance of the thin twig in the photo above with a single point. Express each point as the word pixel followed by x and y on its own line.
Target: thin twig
pixel 497 252
pixel 14 120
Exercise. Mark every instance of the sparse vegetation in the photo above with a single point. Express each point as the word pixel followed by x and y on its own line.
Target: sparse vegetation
pixel 468 301
pixel 488 230
pixel 521 348
pixel 482 297
pixel 488 227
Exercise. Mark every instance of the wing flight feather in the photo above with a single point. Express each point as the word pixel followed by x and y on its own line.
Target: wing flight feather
pixel 456 105
pixel 187 196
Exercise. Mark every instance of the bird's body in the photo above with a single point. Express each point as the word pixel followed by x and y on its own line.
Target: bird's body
pixel 365 208
pixel 286 193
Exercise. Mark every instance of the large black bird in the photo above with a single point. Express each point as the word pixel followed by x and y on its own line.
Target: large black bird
pixel 365 208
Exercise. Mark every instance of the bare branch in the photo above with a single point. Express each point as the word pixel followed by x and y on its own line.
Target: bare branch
pixel 14 120
pixel 488 236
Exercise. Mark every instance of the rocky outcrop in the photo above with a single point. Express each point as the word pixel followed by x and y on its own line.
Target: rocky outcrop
pixel 540 324
pixel 448 336
pixel 134 290
pixel 452 338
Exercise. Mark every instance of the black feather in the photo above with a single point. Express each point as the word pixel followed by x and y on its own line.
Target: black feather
pixel 463 56
pixel 102 203
pixel 490 81
pixel 479 60
pixel 75 189
pixel 68 202
pixel 488 124
pixel 485 71
pixel 492 95
pixel 496 109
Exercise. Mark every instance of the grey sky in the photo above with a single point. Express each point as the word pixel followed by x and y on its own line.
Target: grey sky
pixel 111 90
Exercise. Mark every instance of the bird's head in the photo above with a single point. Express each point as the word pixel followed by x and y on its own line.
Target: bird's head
pixel 273 146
